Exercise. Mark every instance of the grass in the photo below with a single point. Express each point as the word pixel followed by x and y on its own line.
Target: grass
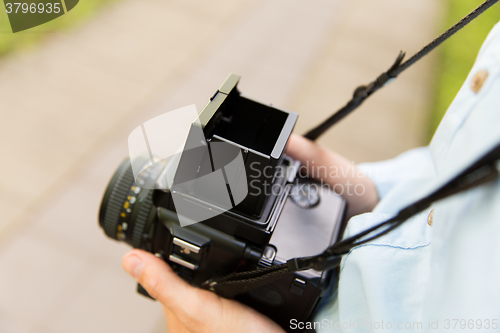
pixel 457 55
pixel 10 42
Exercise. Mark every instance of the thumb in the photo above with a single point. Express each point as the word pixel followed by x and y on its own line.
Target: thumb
pixel 159 279
pixel 198 310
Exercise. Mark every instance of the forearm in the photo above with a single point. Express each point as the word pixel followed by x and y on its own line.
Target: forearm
pixel 347 180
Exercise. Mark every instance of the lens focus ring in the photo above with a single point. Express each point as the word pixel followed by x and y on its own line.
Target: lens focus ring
pixel 141 220
pixel 116 200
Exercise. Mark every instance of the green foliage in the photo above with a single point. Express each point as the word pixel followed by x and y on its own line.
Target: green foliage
pixel 457 55
pixel 14 41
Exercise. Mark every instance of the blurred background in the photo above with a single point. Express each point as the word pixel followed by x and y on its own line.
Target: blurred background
pixel 73 89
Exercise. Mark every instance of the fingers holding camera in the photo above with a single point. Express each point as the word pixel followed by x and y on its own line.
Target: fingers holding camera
pixel 159 280
pixel 180 300
pixel 340 174
pixel 190 309
pixel 302 149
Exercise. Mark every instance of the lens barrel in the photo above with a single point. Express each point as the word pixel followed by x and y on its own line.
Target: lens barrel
pixel 126 208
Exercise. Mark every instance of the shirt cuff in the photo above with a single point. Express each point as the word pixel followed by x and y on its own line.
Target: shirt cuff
pixel 386 174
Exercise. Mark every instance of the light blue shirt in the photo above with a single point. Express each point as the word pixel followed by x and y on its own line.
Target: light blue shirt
pixel 423 278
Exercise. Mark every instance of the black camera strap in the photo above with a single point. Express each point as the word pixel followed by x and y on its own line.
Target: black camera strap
pixel 363 92
pixel 481 172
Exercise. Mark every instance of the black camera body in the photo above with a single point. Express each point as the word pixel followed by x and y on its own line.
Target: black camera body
pixel 272 214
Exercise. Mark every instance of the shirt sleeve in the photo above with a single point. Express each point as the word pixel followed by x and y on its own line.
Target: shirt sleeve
pixel 387 174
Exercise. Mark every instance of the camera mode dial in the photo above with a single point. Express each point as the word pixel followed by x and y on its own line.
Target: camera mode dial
pixel 305 195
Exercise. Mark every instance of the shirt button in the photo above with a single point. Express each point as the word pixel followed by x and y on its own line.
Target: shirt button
pixel 430 217
pixel 478 80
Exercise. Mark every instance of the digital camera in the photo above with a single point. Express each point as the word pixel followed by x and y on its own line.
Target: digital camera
pixel 235 202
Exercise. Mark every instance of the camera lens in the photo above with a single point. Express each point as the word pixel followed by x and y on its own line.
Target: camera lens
pixel 127 209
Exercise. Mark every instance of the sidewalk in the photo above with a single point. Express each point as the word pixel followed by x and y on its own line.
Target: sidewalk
pixel 68 107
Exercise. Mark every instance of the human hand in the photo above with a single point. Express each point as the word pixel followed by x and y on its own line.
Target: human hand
pixel 341 175
pixel 190 309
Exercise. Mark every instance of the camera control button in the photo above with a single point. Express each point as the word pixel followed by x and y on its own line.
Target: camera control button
pixel 298 286
pixel 267 258
pixel 186 246
pixel 182 262
pixel 305 195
